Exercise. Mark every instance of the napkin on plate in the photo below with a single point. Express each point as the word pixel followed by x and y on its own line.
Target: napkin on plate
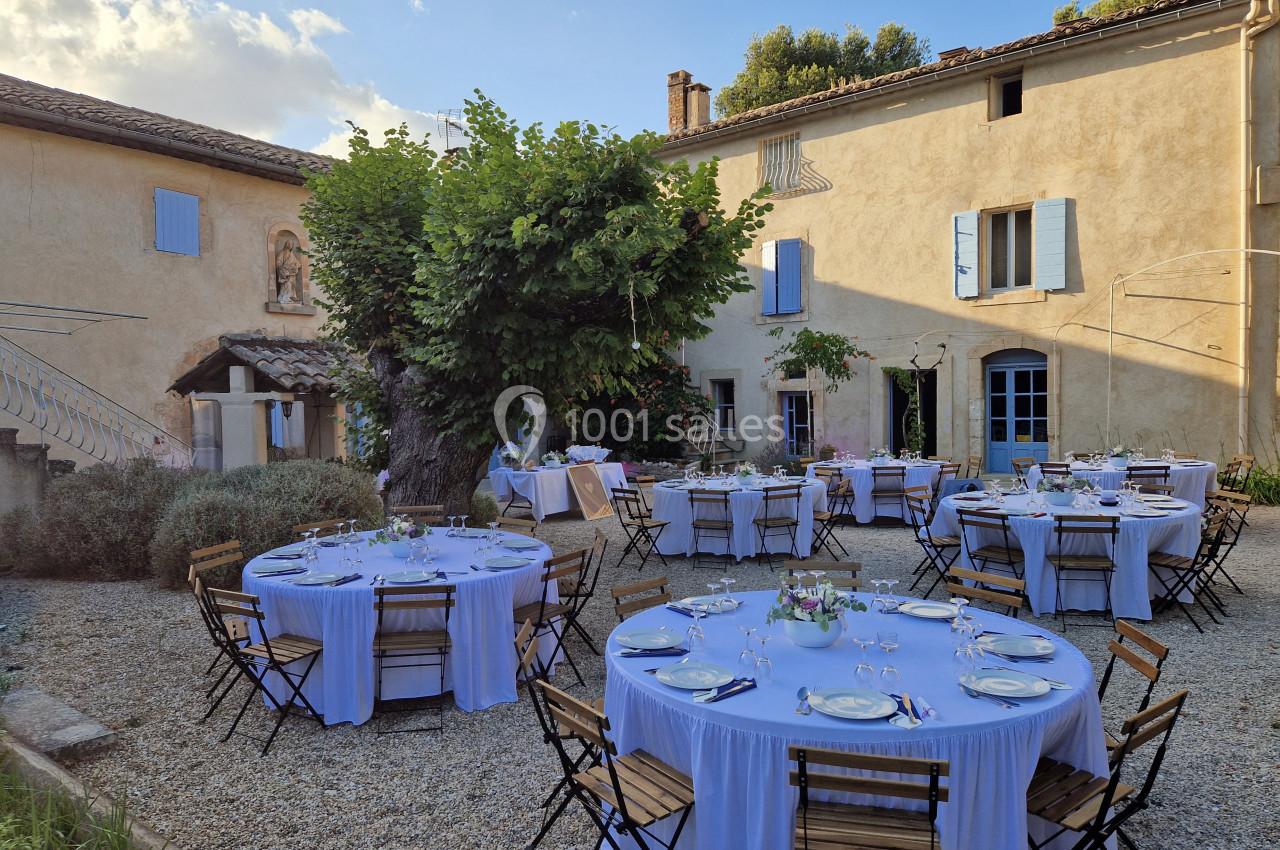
pixel 345 580
pixel 730 689
pixel 653 653
pixel 285 556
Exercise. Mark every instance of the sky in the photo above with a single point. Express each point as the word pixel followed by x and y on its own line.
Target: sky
pixel 293 71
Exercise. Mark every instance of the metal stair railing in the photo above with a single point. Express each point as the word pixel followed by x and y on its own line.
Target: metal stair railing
pixel 63 408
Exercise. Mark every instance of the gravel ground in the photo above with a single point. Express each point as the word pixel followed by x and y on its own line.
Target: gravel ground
pixel 132 656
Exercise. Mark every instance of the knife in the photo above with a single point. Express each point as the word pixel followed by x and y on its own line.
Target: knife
pixel 911 712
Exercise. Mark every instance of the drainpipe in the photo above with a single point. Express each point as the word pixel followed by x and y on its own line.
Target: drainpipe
pixel 1253 25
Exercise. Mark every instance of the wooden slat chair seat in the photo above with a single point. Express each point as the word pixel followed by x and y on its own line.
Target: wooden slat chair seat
pixel 1124 649
pixel 710 517
pixel 424 514
pixel 638 524
pixel 393 650
pixel 1188 573
pixel 522 526
pixel 842 826
pixel 1068 567
pixel 988 587
pixel 973 469
pixel 639 596
pixel 843 575
pixel 622 794
pixel 1003 553
pixel 1096 808
pixel 824 522
pixel 326 527
pixel 551 609
pixel 1054 467
pixel 287 648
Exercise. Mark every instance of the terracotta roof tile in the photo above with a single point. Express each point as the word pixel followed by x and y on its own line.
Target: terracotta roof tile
pixel 31 104
pixel 294 365
pixel 1061 32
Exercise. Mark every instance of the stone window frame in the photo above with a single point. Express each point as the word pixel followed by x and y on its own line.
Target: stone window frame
pixel 304 307
pixel 806 278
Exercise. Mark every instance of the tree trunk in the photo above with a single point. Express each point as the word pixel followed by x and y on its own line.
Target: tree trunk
pixel 426 467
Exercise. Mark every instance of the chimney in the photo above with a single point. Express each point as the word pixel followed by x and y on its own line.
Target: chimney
pixel 688 103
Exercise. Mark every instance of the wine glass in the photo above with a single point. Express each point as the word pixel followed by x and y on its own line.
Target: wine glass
pixel 695 636
pixel 311 550
pixel 747 662
pixel 864 674
pixel 878 600
pixel 714 605
pixel 764 667
pixel 728 597
pixel 351 526
pixel 493 531
pixel 462 522
pixel 889 678
pixel 451 532
pixel 890 603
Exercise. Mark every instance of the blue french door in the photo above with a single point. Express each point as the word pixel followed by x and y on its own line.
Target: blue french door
pixel 1017 414
pixel 796 424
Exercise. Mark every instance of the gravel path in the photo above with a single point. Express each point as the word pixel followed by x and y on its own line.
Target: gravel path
pixel 132 656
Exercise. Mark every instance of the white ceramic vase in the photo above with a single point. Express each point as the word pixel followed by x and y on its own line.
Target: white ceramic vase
pixel 811 635
pixel 1059 499
pixel 398 548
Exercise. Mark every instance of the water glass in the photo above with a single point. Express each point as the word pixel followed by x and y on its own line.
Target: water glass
pixel 864 674
pixel 890 604
pixel 889 678
pixel 728 597
pixel 714 605
pixel 747 663
pixel 887 640
pixel 452 531
pixel 695 637
pixel 764 667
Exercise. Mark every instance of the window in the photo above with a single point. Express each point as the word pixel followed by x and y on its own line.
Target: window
pixel 177 223
pixel 722 400
pixel 1009 249
pixel 780 163
pixel 795 418
pixel 1006 95
pixel 781 262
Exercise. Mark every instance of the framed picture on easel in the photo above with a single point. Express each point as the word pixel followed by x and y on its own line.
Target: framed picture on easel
pixel 588 489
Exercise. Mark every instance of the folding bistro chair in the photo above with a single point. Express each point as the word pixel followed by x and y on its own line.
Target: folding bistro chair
pixel 641 528
pixel 804 573
pixel 888 483
pixel 947 472
pixel 711 517
pixel 1088 567
pixel 578 595
pixel 940 551
pixel 920 491
pixel 1148 668
pixel 256 661
pixel 646 594
pixel 1055 467
pixel 822 825
pixel 1148 474
pixel 644 486
pixel 237 628
pixel 1002 553
pixel 1189 573
pixel 1236 506
pixel 323 528
pixel 1185 456
pixel 546 611
pixel 943 458
pixel 422 514
pixel 988 587
pixel 824 522
pixel 973 469
pixel 623 795
pixel 397 650
pixel 781 518
pixel 1021 466
pixel 1097 807
pixel 1244 469
pixel 520 526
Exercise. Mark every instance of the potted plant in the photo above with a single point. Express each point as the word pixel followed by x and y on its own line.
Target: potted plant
pixel 746 472
pixel 1120 456
pixel 511 455
pixel 811 615
pixel 554 460
pixel 881 456
pixel 827 452
pixel 1059 490
pixel 397 534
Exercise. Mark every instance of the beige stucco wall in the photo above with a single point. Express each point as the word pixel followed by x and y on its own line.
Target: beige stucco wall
pixel 1140 132
pixel 77 229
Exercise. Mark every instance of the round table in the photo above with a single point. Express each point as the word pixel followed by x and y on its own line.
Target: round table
pixel 1132 586
pixel 546 488
pixel 746 503
pixel 735 750
pixel 865 507
pixel 481 668
pixel 1190 480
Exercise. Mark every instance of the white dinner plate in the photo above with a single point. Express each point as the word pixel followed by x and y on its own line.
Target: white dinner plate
pixel 928 610
pixel 651 639
pixel 1193 463
pixel 473 532
pixel 853 703
pixel 1005 683
pixel 694 675
pixel 317 578
pixel 411 577
pixel 1154 497
pixel 1016 511
pixel 273 569
pixel 1142 512
pixel 1018 646
pixel 703 601
pixel 506 562
pixel 520 543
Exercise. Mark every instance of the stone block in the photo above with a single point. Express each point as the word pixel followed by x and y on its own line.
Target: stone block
pixel 53 727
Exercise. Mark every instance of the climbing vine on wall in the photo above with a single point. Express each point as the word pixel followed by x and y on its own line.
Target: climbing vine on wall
pixel 911 427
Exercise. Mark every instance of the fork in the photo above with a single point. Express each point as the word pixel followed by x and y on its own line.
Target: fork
pixel 1003 703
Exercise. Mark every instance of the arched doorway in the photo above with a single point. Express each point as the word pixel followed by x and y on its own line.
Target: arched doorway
pixel 1017 407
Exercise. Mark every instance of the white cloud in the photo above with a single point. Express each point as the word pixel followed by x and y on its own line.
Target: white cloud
pixel 212 63
pixel 417 5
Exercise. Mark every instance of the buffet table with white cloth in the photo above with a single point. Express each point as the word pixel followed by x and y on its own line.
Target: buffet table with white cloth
pixel 746 503
pixel 735 750
pixel 547 488
pixel 1132 587
pixel 1190 480
pixel 481 668
pixel 865 507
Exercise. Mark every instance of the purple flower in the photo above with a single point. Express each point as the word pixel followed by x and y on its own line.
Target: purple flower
pixel 809 604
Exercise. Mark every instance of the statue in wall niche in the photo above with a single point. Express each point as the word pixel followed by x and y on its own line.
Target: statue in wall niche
pixel 288 273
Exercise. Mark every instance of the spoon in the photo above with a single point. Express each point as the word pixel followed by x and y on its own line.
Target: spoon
pixel 803 696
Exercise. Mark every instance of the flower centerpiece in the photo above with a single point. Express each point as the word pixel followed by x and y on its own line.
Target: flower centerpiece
pixel 881 456
pixel 1060 490
pixel 746 471
pixel 1120 456
pixel 511 455
pixel 811 615
pixel 397 534
pixel 554 460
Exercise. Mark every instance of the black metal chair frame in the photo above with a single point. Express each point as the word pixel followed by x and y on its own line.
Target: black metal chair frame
pixel 638 525
pixel 935 554
pixel 1119 648
pixel 824 530
pixel 897 474
pixel 552 571
pixel 1192 577
pixel 1236 523
pixel 1064 526
pixel 990 521
pixel 439 655
pixel 256 668
pixel 720 498
pixel 587 590
pixel 784 494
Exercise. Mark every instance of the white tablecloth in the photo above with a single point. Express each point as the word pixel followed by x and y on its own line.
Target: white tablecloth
pixel 1189 482
pixel 481 669
pixel 1131 586
pixel 671 503
pixel 736 750
pixel 865 507
pixel 548 489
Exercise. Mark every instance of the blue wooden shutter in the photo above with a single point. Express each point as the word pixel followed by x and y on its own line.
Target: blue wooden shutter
pixel 789 276
pixel 1049 222
pixel 769 280
pixel 964 245
pixel 177 223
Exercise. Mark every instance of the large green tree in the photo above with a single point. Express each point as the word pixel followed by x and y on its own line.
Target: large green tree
pixel 511 262
pixel 1071 11
pixel 779 65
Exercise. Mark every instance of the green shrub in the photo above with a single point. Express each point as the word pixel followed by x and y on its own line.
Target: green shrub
pixel 258 505
pixel 39 819
pixel 97 523
pixel 20 537
pixel 1263 485
pixel 484 510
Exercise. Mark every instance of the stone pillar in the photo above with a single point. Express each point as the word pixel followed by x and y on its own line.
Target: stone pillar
pixel 699 101
pixel 23 472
